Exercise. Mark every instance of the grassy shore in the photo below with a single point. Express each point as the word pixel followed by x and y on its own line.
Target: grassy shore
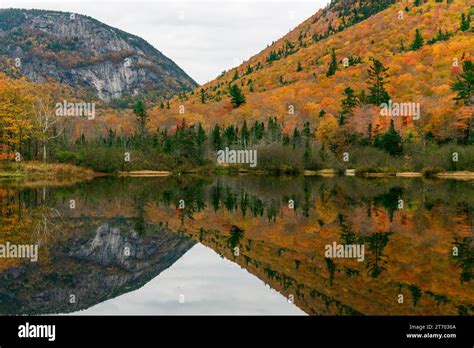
pixel 39 170
pixel 458 175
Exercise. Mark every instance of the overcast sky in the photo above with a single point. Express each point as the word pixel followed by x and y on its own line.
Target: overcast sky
pixel 204 37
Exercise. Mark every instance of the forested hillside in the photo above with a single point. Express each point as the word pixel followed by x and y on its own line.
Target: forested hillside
pixel 305 75
pixel 386 84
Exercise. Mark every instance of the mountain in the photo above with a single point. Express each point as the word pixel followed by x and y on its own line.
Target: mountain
pixel 84 53
pixel 291 73
pixel 93 267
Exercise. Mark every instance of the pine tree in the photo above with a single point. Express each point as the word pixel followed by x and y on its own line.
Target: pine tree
pixel 203 96
pixel 299 67
pixel 237 97
pixel 307 131
pixel 245 134
pixel 142 117
pixel 349 102
pixel 296 137
pixel 200 142
pixel 465 22
pixel 418 41
pixel 464 84
pixel 391 141
pixel 333 65
pixel 230 135
pixel 236 75
pixel 377 80
pixel 216 138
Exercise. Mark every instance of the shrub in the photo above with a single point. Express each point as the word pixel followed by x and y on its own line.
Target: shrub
pixel 279 159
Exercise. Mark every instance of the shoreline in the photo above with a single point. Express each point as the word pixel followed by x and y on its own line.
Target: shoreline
pixel 38 171
pixel 457 175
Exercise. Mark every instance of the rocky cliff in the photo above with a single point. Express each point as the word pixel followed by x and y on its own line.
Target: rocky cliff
pixel 92 266
pixel 83 52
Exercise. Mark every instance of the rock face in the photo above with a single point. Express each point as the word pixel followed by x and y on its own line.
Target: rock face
pixel 93 267
pixel 83 52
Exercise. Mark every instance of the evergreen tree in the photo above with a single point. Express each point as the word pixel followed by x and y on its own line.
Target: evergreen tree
pixel 216 138
pixel 377 80
pixel 230 135
pixel 307 131
pixel 418 42
pixel 296 138
pixel 333 64
pixel 465 22
pixel 236 75
pixel 237 97
pixel 140 112
pixel 245 134
pixel 203 96
pixel 464 84
pixel 200 143
pixel 167 144
pixel 391 141
pixel 299 67
pixel 347 104
pixel 258 131
pixel 307 156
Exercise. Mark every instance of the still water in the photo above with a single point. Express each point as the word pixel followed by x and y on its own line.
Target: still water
pixel 238 245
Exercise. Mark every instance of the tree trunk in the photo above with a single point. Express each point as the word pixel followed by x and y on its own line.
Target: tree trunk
pixel 44 152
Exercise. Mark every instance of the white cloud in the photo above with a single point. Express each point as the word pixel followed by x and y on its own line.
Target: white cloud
pixel 203 37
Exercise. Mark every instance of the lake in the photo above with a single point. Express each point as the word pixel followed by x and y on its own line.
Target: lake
pixel 239 245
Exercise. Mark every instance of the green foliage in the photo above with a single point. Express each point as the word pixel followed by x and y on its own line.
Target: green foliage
pixel 140 112
pixel 440 36
pixel 332 65
pixel 465 22
pixel 349 102
pixel 237 96
pixel 464 84
pixel 391 141
pixel 418 41
pixel 377 80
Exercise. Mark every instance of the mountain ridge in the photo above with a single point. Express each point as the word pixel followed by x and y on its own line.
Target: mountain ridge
pixel 83 52
pixel 271 88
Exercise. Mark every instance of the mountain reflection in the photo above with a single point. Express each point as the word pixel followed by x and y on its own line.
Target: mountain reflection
pixel 111 236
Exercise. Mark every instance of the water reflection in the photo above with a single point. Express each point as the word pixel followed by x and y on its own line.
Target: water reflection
pixel 212 286
pixel 122 234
